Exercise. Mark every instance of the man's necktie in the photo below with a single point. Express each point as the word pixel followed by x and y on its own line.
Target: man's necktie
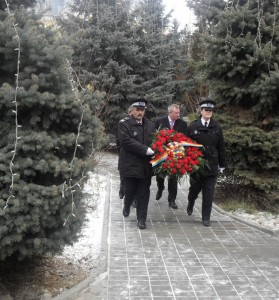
pixel 171 124
pixel 205 124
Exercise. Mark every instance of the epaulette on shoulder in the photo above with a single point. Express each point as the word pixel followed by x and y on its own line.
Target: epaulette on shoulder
pixel 124 119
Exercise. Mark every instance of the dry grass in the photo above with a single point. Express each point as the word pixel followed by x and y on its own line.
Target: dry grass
pixel 32 278
pixel 232 196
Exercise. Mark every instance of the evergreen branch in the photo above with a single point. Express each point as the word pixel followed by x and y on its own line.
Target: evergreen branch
pixel 15 110
pixel 272 35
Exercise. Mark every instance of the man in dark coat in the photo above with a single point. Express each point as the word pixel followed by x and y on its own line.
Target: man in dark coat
pixel 135 137
pixel 121 187
pixel 207 132
pixel 172 121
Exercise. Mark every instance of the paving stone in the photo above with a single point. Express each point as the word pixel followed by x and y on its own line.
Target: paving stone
pixel 177 258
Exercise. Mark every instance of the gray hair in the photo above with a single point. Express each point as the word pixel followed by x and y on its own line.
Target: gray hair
pixel 130 108
pixel 173 106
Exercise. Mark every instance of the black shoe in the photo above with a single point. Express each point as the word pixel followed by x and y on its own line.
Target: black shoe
pixel 121 194
pixel 189 211
pixel 173 205
pixel 141 224
pixel 135 203
pixel 206 223
pixel 126 211
pixel 159 194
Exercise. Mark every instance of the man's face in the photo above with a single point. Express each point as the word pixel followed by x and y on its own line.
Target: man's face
pixel 138 113
pixel 174 114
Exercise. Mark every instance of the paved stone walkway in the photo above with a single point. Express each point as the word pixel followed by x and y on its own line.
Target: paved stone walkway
pixel 176 257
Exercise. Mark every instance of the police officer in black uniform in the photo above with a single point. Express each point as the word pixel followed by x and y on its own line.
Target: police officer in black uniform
pixel 135 137
pixel 207 132
pixel 171 121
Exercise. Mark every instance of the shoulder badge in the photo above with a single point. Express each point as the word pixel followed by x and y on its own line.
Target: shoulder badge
pixel 124 119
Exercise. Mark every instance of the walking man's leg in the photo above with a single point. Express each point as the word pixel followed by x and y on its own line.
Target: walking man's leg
pixel 160 184
pixel 121 188
pixel 130 190
pixel 172 188
pixel 143 194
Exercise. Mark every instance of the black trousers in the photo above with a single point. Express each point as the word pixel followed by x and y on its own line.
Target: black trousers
pixel 139 188
pixel 121 187
pixel 172 186
pixel 206 184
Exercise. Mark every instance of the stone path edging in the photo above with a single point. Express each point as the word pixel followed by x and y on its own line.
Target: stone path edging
pixel 251 224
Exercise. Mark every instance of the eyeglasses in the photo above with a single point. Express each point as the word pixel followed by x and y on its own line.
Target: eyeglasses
pixel 208 109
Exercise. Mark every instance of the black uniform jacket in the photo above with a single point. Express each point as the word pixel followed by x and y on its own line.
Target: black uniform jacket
pixel 179 125
pixel 212 139
pixel 134 139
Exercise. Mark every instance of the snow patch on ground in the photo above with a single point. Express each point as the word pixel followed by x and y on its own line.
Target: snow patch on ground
pixel 263 219
pixel 85 251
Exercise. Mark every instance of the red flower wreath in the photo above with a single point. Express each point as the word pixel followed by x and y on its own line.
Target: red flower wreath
pixel 175 154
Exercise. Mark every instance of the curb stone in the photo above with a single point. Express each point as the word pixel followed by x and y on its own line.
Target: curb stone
pixel 249 223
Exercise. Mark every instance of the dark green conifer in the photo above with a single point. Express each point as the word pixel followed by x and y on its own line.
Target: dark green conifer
pixel 155 62
pixel 242 67
pixel 124 53
pixel 48 132
pixel 101 36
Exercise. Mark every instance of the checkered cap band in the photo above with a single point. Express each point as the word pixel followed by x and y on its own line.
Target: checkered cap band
pixel 207 105
pixel 139 104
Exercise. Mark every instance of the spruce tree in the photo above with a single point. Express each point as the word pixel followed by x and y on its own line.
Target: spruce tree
pixel 48 131
pixel 242 66
pixel 125 53
pixel 190 70
pixel 243 48
pixel 190 63
pixel 100 34
pixel 155 61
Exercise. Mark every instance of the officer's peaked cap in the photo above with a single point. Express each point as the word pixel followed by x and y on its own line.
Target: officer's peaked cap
pixel 207 103
pixel 140 102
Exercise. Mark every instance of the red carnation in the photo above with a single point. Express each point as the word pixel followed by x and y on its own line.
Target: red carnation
pixel 161 149
pixel 182 171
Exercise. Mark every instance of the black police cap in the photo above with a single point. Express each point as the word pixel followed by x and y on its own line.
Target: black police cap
pixel 139 103
pixel 208 103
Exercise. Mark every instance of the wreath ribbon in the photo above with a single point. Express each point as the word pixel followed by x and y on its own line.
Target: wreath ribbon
pixel 172 148
pixel 154 162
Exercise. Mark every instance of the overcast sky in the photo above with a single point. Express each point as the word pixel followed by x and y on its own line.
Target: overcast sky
pixel 181 12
